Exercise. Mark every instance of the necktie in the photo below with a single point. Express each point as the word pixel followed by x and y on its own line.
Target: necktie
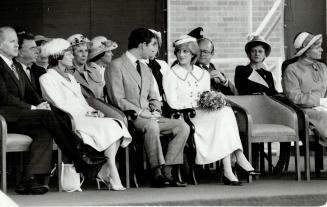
pixel 28 72
pixel 138 67
pixel 14 70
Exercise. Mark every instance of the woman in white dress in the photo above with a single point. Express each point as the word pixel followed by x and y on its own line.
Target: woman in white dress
pixel 103 134
pixel 216 132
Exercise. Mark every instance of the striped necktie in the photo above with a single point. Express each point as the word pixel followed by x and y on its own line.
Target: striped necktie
pixel 13 68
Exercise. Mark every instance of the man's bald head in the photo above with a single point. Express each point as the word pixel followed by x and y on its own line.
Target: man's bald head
pixel 8 42
pixel 206 51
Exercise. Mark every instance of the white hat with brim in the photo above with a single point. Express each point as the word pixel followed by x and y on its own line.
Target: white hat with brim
pixel 100 44
pixel 304 41
pixel 41 38
pixel 184 39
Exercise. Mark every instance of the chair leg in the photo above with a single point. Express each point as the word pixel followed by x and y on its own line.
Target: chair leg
pixel 307 159
pixel 128 185
pixel 262 157
pixel 59 170
pixel 297 160
pixel 318 158
pixel 250 160
pixel 3 171
pixel 269 158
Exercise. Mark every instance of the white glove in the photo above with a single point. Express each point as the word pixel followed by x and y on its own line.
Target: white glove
pixel 323 102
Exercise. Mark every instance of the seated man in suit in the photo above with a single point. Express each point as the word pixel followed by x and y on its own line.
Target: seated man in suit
pixel 218 80
pixel 27 54
pixel 130 87
pixel 25 113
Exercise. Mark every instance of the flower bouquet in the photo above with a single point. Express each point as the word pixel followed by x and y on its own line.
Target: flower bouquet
pixel 212 100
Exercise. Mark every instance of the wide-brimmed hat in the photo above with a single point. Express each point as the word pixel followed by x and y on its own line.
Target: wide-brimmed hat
pixel 256 40
pixel 158 36
pixel 56 47
pixel 304 41
pixel 99 45
pixel 184 39
pixel 77 39
pixel 197 33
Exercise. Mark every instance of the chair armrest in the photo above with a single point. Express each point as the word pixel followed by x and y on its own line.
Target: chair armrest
pixel 65 115
pixel 302 117
pixel 130 114
pixel 243 118
pixel 286 115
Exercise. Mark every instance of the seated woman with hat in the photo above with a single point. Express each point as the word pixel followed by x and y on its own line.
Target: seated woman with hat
pixel 216 132
pixel 102 133
pixel 100 54
pixel 305 81
pixel 254 78
pixel 89 76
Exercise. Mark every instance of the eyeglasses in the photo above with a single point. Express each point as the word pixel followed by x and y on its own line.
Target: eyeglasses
pixel 205 52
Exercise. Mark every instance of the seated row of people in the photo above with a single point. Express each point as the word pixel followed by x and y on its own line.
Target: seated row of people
pixel 74 80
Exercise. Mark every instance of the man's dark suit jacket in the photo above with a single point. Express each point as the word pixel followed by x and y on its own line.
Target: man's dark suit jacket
pixel 248 87
pixel 227 90
pixel 36 72
pixel 15 95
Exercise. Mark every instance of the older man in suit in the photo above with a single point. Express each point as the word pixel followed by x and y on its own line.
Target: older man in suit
pixel 219 82
pixel 25 113
pixel 130 87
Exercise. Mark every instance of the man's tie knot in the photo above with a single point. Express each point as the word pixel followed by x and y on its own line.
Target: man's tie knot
pixel 13 68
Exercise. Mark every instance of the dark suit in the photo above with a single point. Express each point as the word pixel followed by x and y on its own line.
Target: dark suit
pixel 248 87
pixel 227 90
pixel 36 72
pixel 17 97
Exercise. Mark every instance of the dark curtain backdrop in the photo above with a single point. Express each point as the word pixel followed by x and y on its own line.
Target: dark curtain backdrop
pixel 114 19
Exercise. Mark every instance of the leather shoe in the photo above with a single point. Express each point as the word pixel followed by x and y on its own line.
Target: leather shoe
pixel 172 182
pixel 31 186
pixel 158 182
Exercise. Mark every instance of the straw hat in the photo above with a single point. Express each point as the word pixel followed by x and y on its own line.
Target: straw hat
pixel 158 35
pixel 99 45
pixel 256 40
pixel 77 39
pixel 304 41
pixel 184 39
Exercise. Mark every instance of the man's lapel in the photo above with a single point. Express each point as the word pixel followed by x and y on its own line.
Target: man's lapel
pixel 132 71
pixel 13 76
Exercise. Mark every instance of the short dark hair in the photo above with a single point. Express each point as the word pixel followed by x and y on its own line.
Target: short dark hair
pixel 139 36
pixel 54 59
pixel 23 36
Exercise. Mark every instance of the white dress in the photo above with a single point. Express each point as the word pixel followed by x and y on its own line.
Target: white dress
pixel 216 132
pixel 99 133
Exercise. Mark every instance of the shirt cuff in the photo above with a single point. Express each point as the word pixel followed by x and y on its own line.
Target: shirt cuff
pixel 33 107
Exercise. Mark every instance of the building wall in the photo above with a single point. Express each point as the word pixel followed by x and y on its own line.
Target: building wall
pixel 227 23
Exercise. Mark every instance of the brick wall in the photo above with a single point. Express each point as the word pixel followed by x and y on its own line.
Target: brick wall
pixel 227 23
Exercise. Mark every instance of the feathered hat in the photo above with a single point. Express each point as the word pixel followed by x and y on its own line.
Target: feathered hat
pixel 56 47
pixel 99 45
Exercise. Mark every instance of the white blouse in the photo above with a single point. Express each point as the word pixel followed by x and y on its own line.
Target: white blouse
pixel 183 88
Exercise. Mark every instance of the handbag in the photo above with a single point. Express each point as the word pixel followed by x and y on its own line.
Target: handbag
pixel 70 180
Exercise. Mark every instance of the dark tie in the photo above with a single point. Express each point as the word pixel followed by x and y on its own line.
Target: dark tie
pixel 138 67
pixel 14 70
pixel 29 75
